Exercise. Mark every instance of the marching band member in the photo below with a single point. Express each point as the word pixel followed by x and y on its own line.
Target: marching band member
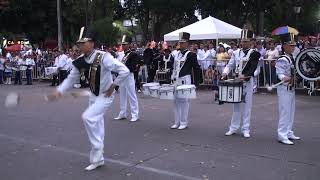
pixel 286 93
pixel 99 65
pixel 165 64
pixel 128 89
pixel 237 56
pixel 185 61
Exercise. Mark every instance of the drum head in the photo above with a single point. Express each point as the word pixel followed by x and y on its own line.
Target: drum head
pixel 154 87
pixel 151 84
pixel 166 88
pixel 230 82
pixel 190 86
pixel 308 64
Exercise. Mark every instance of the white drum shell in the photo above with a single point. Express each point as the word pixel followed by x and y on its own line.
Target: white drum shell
pixel 145 88
pixel 154 91
pixel 230 94
pixel 167 92
pixel 186 92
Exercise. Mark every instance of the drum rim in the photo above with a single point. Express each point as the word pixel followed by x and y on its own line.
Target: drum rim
pixel 186 86
pixel 230 83
pixel 151 84
pixel 298 61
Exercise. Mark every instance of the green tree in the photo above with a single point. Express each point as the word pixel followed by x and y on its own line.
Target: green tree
pixel 105 32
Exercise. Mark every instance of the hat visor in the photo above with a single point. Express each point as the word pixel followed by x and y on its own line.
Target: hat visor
pixel 81 41
pixel 124 43
pixel 183 40
pixel 84 40
pixel 290 43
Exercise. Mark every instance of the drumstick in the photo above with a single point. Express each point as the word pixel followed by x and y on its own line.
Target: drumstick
pixel 13 98
pixel 269 88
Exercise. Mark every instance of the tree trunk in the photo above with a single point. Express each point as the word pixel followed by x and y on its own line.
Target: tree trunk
pixel 60 37
pixel 145 25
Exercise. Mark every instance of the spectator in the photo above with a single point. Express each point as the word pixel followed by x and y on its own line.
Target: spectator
pixel 269 65
pixel 206 59
pixel 7 71
pixel 212 51
pixel 148 58
pixel 19 62
pixel 30 63
pixel 209 75
pixel 233 47
pixel 2 60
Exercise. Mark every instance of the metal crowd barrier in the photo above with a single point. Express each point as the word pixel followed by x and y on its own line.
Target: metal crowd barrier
pixel 266 77
pixel 38 72
pixel 267 73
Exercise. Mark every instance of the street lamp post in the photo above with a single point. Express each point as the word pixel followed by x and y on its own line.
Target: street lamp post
pixel 297 10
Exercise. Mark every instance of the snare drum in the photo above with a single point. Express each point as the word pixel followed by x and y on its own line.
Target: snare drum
pixel 163 75
pixel 154 91
pixel 145 87
pixel 166 92
pixel 230 91
pixel 51 70
pixel 186 91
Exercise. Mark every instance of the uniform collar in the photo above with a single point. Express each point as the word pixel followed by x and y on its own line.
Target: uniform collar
pixel 127 52
pixel 184 51
pixel 90 54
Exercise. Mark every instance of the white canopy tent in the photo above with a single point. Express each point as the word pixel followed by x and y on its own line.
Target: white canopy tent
pixel 208 28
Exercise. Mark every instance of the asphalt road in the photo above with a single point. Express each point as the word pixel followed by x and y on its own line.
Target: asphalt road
pixel 47 141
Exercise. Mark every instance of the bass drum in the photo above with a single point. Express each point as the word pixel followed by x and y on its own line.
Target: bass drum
pixel 308 64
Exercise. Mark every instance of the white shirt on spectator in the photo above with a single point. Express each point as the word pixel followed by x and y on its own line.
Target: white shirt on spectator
pixel 9 56
pixel 30 62
pixel 29 52
pixel 200 54
pixel 206 60
pixel 61 62
pixel 2 60
pixel 262 52
pixel 213 53
pixel 20 63
pixel 272 54
pixel 295 52
pixel 279 47
pixel 38 51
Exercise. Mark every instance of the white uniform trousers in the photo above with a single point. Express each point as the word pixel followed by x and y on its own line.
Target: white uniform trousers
pixel 128 89
pixel 93 118
pixel 181 105
pixel 286 107
pixel 246 112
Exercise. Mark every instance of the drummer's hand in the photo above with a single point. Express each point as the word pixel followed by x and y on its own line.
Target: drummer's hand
pixel 54 96
pixel 242 77
pixel 286 79
pixel 109 92
pixel 224 76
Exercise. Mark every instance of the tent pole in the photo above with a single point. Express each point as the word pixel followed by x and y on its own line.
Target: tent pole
pixel 217 41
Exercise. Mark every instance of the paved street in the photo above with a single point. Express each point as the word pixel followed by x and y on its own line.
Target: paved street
pixel 47 141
